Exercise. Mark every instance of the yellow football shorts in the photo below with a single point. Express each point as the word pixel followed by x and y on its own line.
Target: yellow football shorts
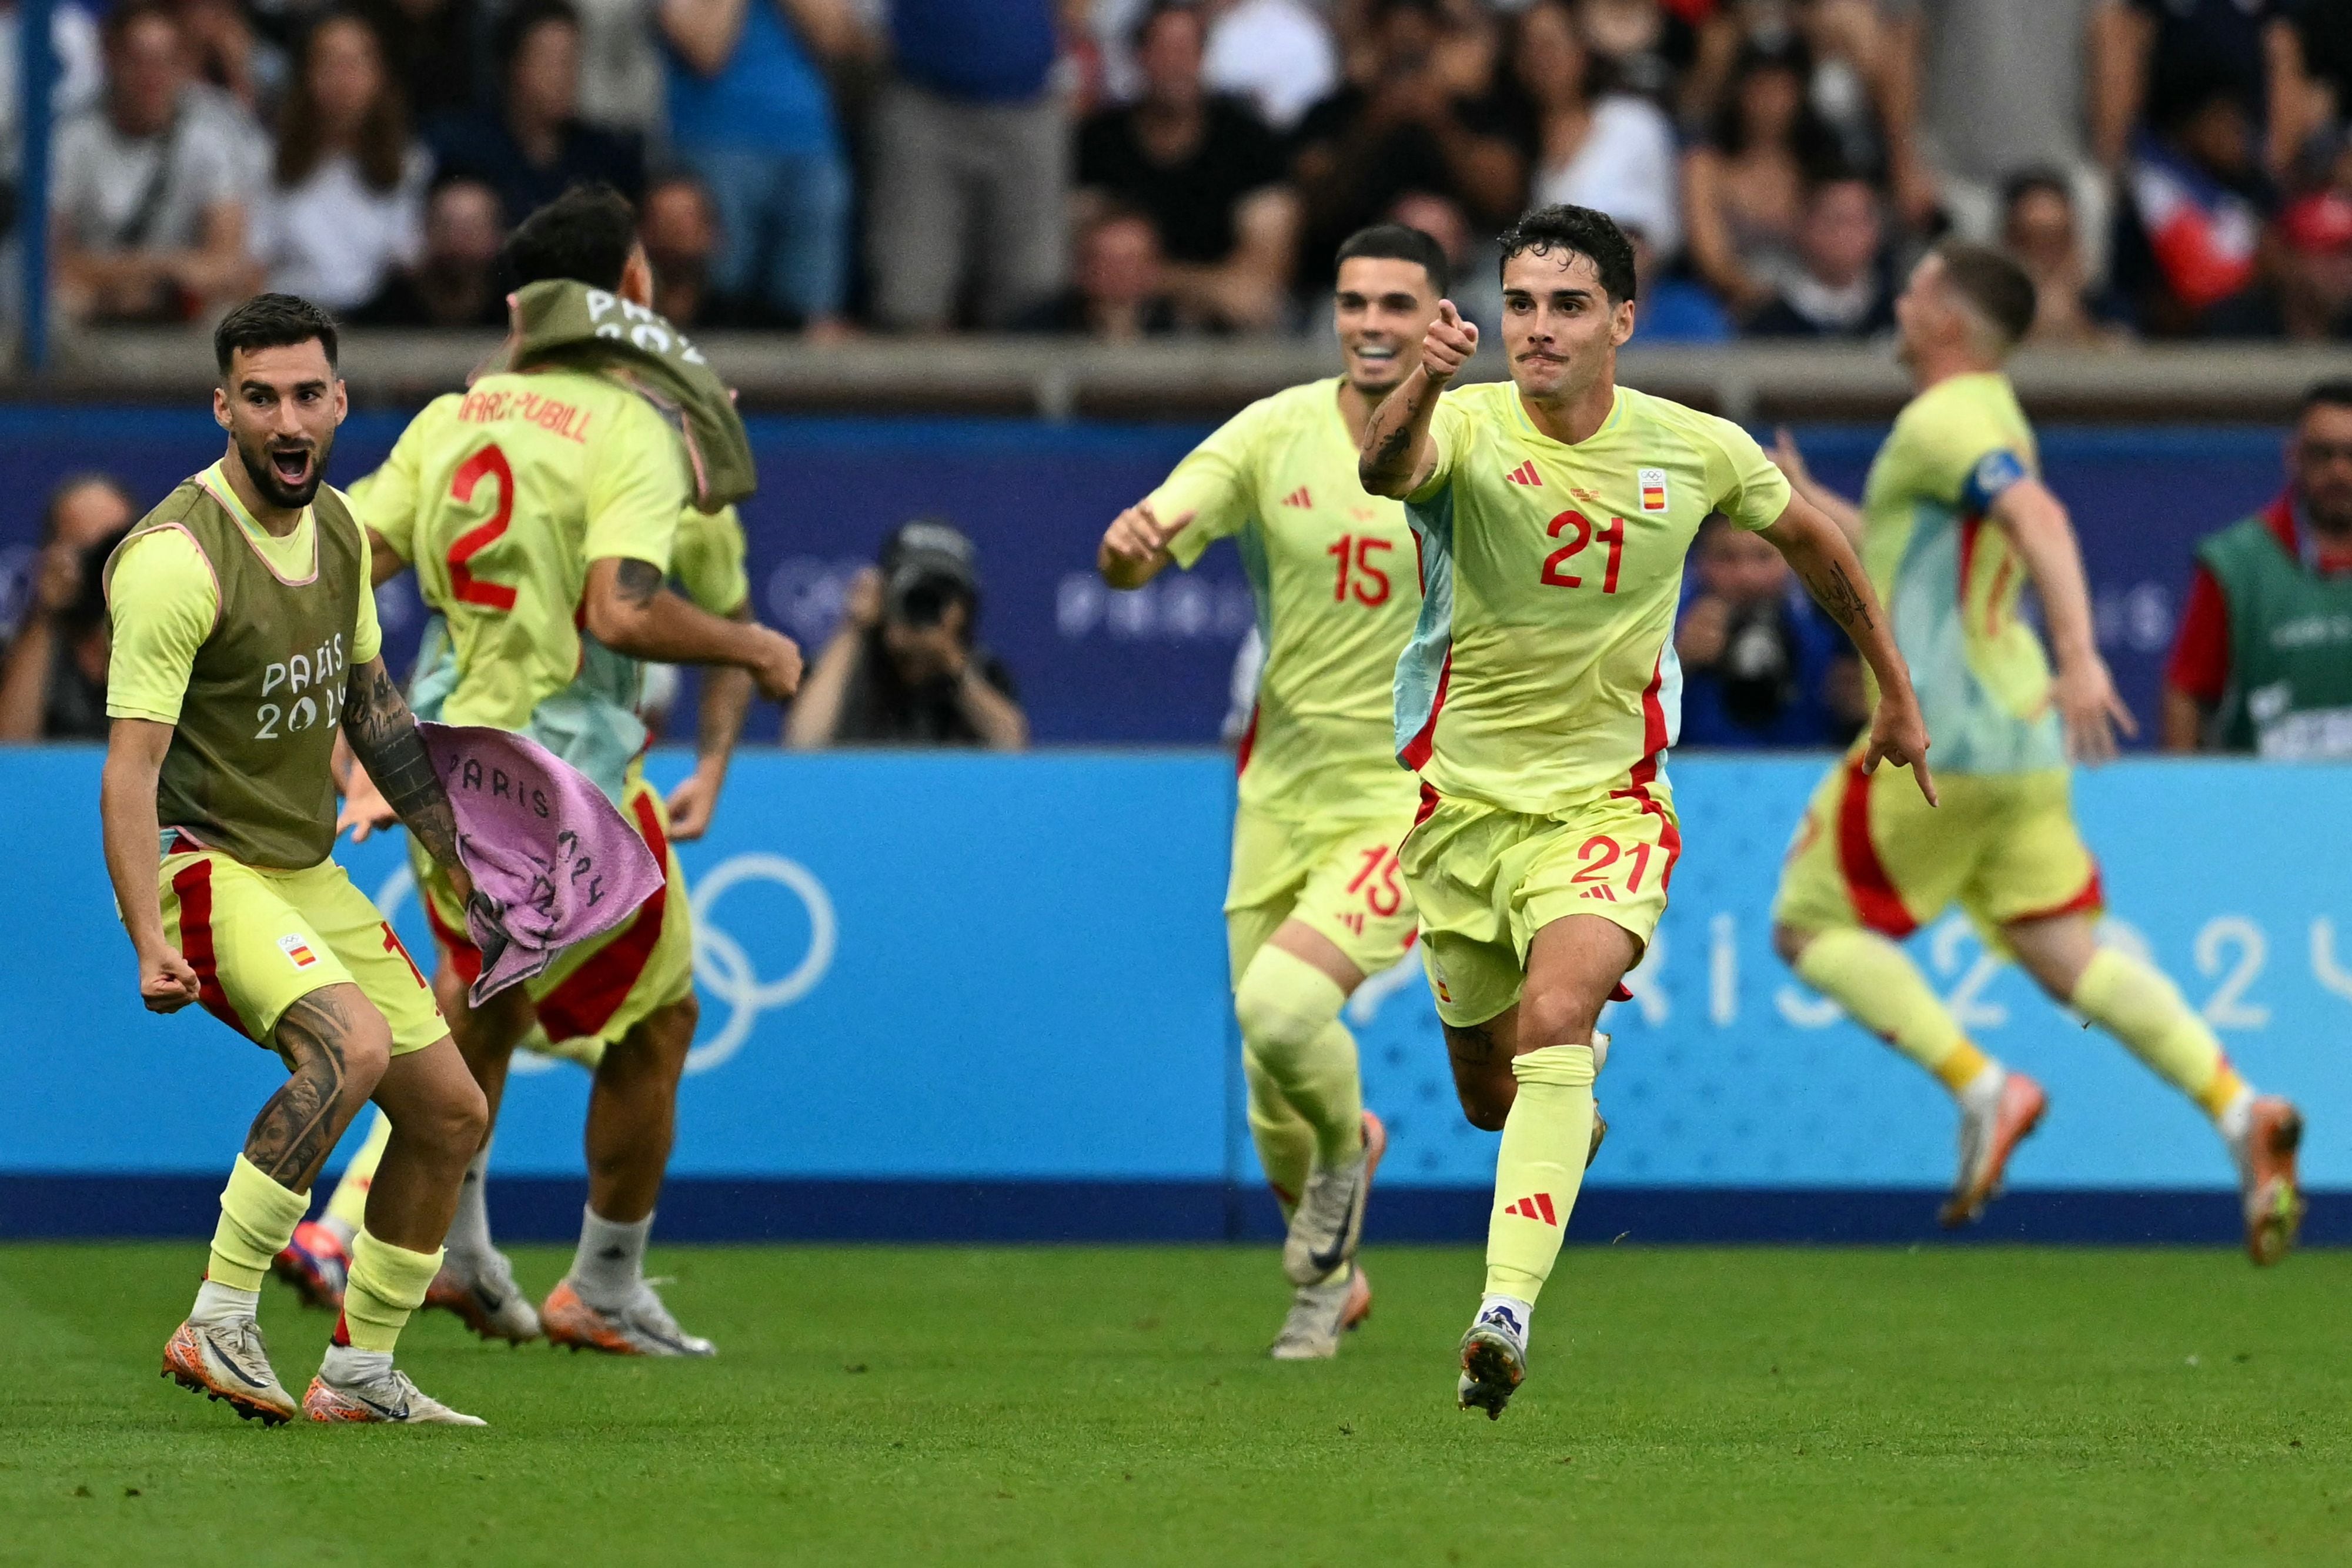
pixel 260 939
pixel 1486 880
pixel 1339 876
pixel 597 990
pixel 1870 852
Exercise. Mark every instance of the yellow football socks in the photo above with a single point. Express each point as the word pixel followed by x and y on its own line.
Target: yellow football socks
pixel 348 1206
pixel 1540 1167
pixel 1882 989
pixel 1292 1039
pixel 2137 1005
pixel 386 1284
pixel 257 1217
pixel 1286 1144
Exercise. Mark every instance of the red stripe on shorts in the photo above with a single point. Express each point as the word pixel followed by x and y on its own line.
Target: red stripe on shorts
pixel 1248 745
pixel 2090 901
pixel 1876 902
pixel 588 996
pixel 192 884
pixel 455 945
pixel 1670 838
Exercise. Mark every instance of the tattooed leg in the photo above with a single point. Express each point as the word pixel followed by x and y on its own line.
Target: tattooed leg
pixel 334 1044
pixel 1481 1055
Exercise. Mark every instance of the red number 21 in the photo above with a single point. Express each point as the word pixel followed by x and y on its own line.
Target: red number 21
pixel 1613 535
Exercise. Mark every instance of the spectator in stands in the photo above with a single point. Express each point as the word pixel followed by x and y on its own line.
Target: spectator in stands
pixel 2310 297
pixel 1980 90
pixel 345 208
pixel 970 164
pixel 1208 171
pixel 1761 666
pixel 2190 246
pixel 903 667
pixel 437 51
pixel 1277 54
pixel 535 146
pixel 224 52
pixel 1593 147
pixel 1670 307
pixel 679 228
pixel 1744 186
pixel 1647 45
pixel 1117 290
pixel 621 85
pixel 1843 287
pixel 53 680
pixel 1404 126
pixel 455 282
pixel 2175 54
pixel 751 113
pixel 2039 231
pixel 1474 264
pixel 154 186
pixel 2263 659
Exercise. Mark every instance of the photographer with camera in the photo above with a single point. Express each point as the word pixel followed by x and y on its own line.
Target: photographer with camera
pixel 1760 666
pixel 902 669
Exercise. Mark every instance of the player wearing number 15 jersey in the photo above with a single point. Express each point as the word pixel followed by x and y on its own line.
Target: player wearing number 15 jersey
pixel 1955 522
pixel 540 510
pixel 1314 902
pixel 1539 694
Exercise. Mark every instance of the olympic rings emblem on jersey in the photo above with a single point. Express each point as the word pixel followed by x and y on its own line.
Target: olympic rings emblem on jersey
pixel 721 966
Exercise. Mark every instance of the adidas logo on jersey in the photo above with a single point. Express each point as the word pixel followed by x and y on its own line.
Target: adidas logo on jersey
pixel 1601 893
pixel 1537 1208
pixel 1298 498
pixel 1525 473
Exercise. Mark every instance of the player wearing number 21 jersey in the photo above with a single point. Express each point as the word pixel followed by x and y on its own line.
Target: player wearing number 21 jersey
pixel 1315 901
pixel 1539 694
pixel 540 508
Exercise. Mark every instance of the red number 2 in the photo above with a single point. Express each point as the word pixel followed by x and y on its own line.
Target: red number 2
pixel 471 589
pixel 1613 535
pixel 1371 583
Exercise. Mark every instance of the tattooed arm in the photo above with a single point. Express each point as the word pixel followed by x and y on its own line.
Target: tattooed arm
pixel 383 735
pixel 1397 456
pixel 630 611
pixel 1816 549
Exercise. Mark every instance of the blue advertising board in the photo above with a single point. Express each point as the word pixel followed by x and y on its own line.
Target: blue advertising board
pixel 1093 665
pixel 924 975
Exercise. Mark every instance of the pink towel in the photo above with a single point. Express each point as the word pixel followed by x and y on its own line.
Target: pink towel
pixel 555 858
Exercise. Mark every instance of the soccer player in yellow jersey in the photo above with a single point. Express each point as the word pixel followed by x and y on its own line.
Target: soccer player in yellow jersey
pixel 1954 523
pixel 540 511
pixel 1538 696
pixel 245 640
pixel 1314 902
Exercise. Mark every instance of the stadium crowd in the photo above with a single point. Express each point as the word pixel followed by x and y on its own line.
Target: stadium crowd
pixel 1121 168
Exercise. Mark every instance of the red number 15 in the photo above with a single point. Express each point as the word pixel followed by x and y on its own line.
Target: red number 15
pixel 1371 583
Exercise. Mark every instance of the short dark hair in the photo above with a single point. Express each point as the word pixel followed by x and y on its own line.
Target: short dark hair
pixel 1398 242
pixel 2335 392
pixel 1579 231
pixel 1993 283
pixel 1141 34
pixel 66 489
pixel 2026 182
pixel 118 22
pixel 272 321
pixel 585 235
pixel 507 42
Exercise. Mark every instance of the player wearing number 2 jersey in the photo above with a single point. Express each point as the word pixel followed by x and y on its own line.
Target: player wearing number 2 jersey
pixel 1315 901
pixel 1539 694
pixel 1955 522
pixel 540 508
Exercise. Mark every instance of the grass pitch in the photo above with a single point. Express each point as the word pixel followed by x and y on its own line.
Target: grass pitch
pixel 875 1405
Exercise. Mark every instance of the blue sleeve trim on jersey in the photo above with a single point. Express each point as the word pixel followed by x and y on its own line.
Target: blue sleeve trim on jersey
pixel 1995 471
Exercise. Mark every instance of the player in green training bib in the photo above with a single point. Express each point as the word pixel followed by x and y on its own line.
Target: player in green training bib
pixel 1539 694
pixel 540 511
pixel 1314 902
pixel 1954 523
pixel 244 641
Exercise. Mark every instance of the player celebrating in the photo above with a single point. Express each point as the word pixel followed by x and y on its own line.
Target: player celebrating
pixel 1313 905
pixel 1539 694
pixel 244 641
pixel 538 505
pixel 1953 522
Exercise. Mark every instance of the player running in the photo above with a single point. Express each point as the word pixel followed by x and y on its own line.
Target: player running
pixel 1313 905
pixel 1953 522
pixel 478 1284
pixel 540 511
pixel 245 640
pixel 1539 694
